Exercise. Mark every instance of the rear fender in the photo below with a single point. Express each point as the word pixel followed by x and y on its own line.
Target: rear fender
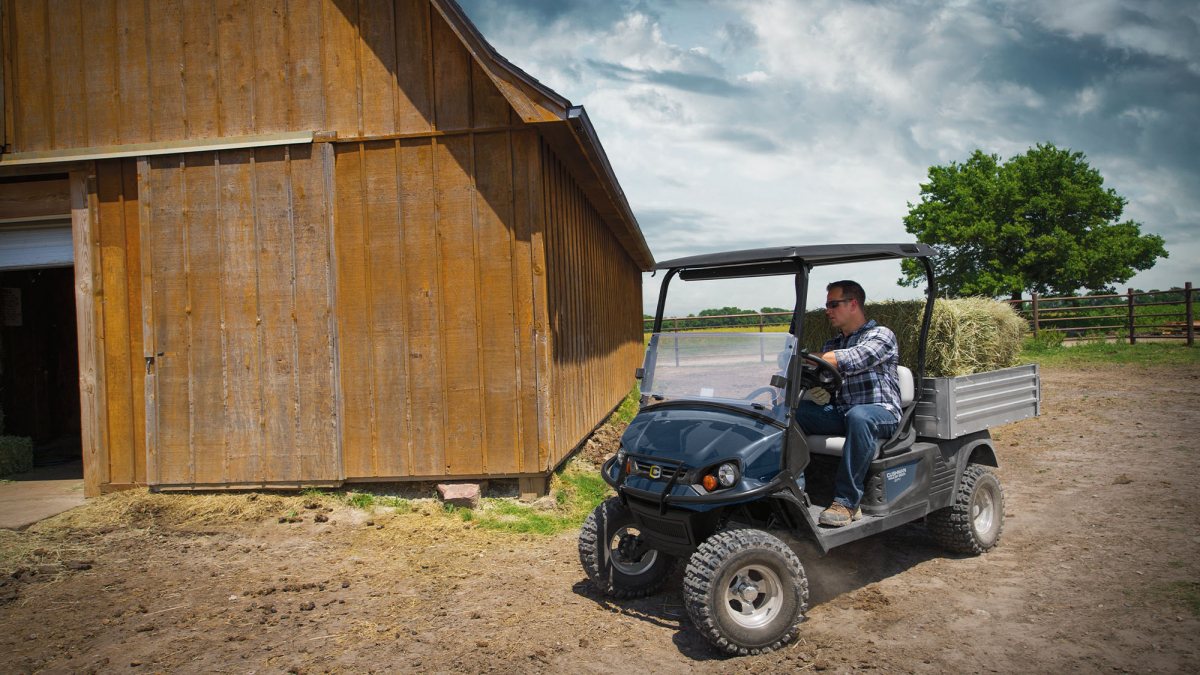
pixel 976 448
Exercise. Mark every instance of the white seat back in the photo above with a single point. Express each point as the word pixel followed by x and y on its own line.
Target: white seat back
pixel 906 386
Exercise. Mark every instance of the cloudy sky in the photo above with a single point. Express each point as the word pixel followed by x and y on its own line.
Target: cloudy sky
pixel 745 123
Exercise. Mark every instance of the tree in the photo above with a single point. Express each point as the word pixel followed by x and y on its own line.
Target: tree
pixel 1040 222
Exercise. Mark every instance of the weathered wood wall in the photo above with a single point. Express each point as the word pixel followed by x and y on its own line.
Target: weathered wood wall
pixel 595 296
pixel 110 72
pixel 431 295
pixel 236 247
pixel 116 217
pixel 436 305
pixel 35 198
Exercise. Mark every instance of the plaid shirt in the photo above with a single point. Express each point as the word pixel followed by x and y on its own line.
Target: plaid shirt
pixel 867 359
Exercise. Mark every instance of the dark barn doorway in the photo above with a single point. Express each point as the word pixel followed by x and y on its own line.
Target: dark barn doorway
pixel 39 362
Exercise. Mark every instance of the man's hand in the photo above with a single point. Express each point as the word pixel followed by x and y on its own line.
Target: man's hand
pixel 819 396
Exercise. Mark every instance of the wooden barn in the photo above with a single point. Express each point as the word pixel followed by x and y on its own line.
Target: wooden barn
pixel 312 242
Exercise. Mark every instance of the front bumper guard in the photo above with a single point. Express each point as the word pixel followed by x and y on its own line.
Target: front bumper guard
pixel 665 497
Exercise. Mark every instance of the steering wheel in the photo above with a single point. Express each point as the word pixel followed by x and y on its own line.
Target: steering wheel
pixel 825 374
pixel 760 391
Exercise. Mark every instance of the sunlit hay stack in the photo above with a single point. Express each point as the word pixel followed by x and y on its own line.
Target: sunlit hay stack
pixel 966 336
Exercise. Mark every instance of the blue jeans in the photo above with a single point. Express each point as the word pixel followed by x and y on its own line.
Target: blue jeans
pixel 861 426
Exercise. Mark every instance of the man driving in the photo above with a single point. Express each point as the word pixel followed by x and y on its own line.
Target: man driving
pixel 866 408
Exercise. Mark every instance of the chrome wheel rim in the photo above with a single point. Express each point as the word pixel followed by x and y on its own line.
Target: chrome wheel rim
pixel 632 568
pixel 753 596
pixel 983 511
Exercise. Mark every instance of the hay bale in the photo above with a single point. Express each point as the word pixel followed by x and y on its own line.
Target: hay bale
pixel 16 455
pixel 966 336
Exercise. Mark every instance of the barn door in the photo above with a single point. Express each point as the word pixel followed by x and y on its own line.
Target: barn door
pixel 239 342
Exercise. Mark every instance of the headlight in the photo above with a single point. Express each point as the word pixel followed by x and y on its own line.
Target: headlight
pixel 621 454
pixel 727 474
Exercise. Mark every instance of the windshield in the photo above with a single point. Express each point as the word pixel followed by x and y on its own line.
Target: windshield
pixel 732 368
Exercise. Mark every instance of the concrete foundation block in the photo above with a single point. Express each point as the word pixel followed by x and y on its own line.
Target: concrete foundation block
pixel 465 495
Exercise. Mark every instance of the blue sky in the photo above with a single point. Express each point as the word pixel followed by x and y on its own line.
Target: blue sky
pixel 744 123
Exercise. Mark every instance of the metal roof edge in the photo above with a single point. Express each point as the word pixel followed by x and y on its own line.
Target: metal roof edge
pixel 585 134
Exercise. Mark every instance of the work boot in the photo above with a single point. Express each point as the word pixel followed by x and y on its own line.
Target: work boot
pixel 838 515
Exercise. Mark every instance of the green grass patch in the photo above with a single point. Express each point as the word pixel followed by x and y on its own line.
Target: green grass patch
pixel 628 408
pixel 1186 593
pixel 577 491
pixel 1089 353
pixel 360 500
pixel 401 504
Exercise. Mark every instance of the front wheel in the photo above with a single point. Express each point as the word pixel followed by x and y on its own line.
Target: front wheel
pixel 746 591
pixel 973 523
pixel 616 558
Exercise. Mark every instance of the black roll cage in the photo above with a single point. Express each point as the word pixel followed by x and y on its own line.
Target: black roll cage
pixel 798 261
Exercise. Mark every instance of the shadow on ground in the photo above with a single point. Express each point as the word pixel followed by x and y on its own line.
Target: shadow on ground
pixel 842 571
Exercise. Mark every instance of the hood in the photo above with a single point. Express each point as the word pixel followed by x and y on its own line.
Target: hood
pixel 700 436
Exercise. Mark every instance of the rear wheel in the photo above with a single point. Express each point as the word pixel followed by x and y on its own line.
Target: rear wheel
pixel 746 591
pixel 616 558
pixel 973 523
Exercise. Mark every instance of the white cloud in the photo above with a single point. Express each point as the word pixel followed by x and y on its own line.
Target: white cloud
pixel 741 123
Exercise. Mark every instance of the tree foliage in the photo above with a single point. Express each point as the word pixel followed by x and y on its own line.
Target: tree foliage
pixel 1040 222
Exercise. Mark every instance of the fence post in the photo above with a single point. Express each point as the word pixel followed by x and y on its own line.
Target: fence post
pixel 1035 315
pixel 1132 335
pixel 677 325
pixel 760 322
pixel 1187 303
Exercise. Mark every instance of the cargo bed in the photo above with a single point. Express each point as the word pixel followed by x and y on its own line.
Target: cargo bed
pixel 950 407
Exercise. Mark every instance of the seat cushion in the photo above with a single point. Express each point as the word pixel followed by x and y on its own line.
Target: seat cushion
pixel 832 445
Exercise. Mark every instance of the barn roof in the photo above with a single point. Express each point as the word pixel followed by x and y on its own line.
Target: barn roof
pixel 566 128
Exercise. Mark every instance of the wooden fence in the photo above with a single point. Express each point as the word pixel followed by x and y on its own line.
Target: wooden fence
pixel 758 320
pixel 1120 315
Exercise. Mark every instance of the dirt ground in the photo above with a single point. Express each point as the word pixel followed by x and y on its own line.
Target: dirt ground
pixel 1101 533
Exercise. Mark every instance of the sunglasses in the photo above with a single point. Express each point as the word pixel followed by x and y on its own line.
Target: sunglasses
pixel 834 303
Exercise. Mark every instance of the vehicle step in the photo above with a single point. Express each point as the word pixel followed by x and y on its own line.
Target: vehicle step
pixel 830 537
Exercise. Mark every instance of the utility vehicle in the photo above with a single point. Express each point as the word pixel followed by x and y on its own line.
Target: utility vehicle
pixel 716 470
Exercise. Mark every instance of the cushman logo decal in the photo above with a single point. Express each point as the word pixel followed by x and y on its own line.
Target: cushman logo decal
pixel 655 471
pixel 897 474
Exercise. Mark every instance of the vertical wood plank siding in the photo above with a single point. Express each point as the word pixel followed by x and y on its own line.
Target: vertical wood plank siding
pixel 450 305
pixel 595 340
pixel 183 69
pixel 440 310
pixel 243 371
pixel 121 308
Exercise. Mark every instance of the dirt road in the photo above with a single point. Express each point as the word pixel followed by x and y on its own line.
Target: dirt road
pixel 1099 552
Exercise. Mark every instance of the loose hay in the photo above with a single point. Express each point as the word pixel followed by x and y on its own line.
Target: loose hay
pixel 140 508
pixel 966 336
pixel 16 455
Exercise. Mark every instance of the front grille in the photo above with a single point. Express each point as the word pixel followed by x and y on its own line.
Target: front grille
pixel 668 528
pixel 645 469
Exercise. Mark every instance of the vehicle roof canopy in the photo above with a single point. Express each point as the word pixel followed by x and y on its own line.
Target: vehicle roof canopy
pixel 785 259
